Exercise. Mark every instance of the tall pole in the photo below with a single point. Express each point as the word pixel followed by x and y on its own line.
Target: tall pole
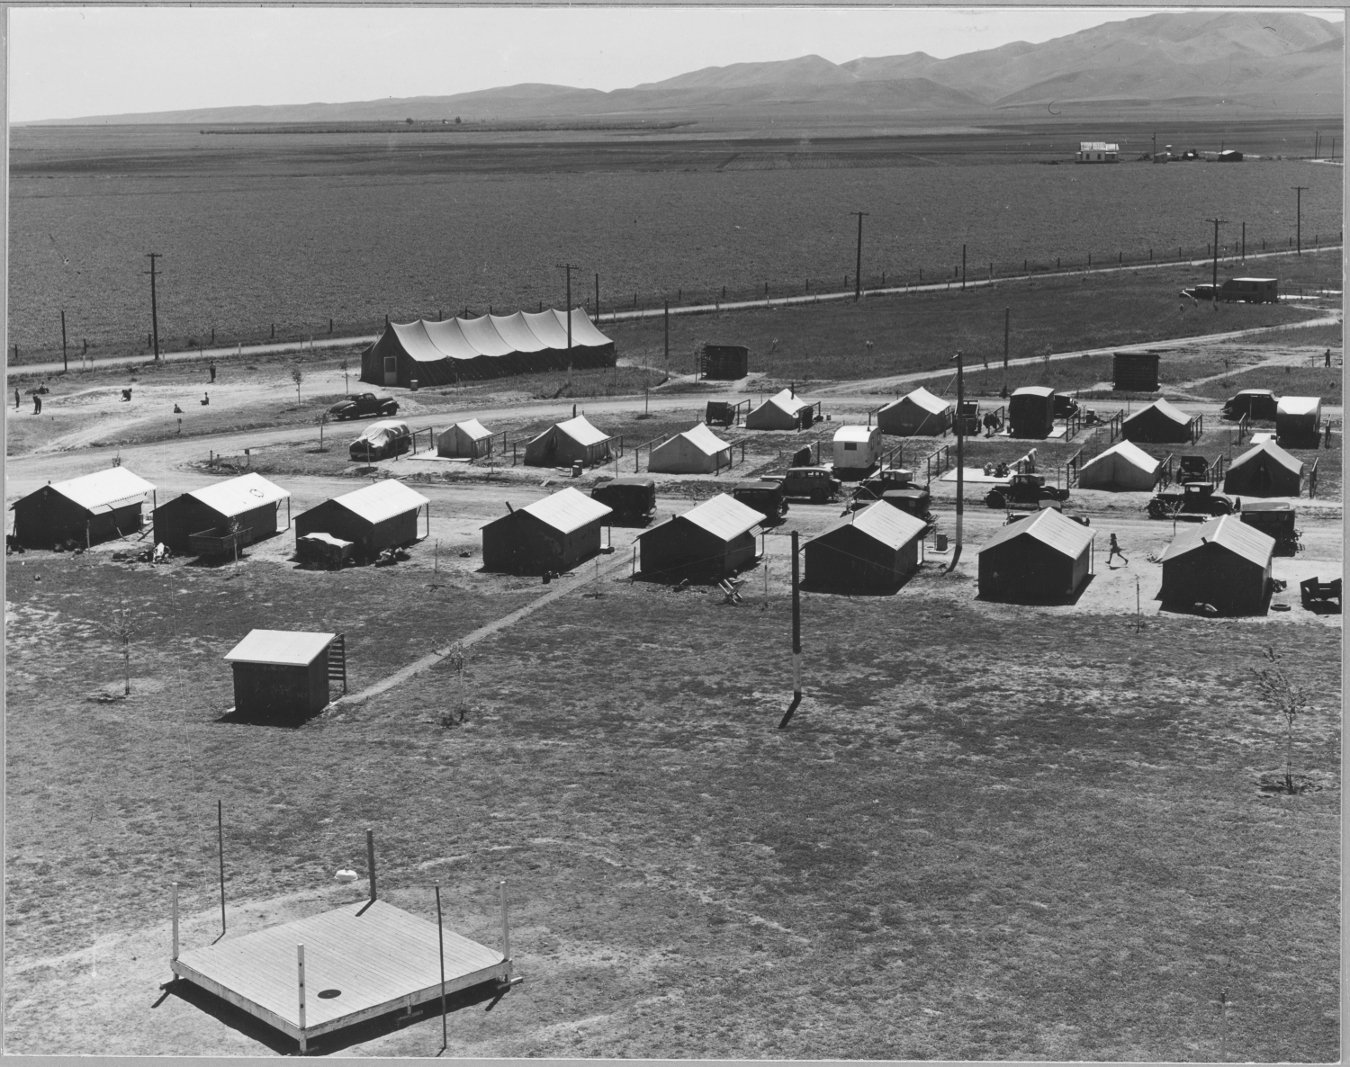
pixel 597 296
pixel 1215 277
pixel 154 310
pixel 1007 314
pixel 220 839
pixel 796 638
pixel 963 266
pixel 1244 242
pixel 960 461
pixel 857 272
pixel 440 937
pixel 65 362
pixel 567 267
pixel 1298 189
pixel 665 323
pixel 370 861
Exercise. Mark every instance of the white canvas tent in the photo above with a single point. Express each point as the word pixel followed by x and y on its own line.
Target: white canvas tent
pixel 1123 466
pixel 695 451
pixel 782 411
pixel 469 438
pixel 919 412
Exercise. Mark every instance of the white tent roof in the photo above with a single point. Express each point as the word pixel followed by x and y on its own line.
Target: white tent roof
pixel 1270 448
pixel 581 431
pixel 922 398
pixel 428 341
pixel 234 496
pixel 567 510
pixel 1165 408
pixel 104 489
pixel 286 648
pixel 381 500
pixel 785 401
pixel 473 429
pixel 1298 405
pixel 1128 451
pixel 704 439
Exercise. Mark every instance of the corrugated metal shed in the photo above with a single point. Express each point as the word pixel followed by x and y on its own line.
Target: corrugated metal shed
pixel 104 489
pixel 381 500
pixel 234 496
pixel 723 516
pixel 567 510
pixel 283 648
pixel 1228 531
pixel 1050 528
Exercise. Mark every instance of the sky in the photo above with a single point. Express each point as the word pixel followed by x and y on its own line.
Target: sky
pixel 68 62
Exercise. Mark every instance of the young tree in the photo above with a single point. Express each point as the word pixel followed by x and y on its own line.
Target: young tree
pixel 297 377
pixel 1288 700
pixel 120 626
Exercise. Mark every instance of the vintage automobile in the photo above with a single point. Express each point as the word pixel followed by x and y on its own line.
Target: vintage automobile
pixel 1275 519
pixel 765 497
pixel 381 440
pixel 1024 490
pixel 363 405
pixel 633 500
pixel 1191 500
pixel 1251 403
pixel 817 484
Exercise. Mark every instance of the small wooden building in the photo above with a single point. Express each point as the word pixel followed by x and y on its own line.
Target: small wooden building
pixel 574 440
pixel 469 439
pixel 785 410
pixel 1298 420
pixel 1031 411
pixel 856 450
pixel 375 517
pixel 552 534
pixel 916 413
pixel 1097 152
pixel 281 676
pixel 1122 467
pixel 1136 372
pixel 199 522
pixel 1264 470
pixel 696 450
pixel 724 362
pixel 874 549
pixel 1042 558
pixel 712 540
pixel 1223 563
pixel 87 510
pixel 1161 422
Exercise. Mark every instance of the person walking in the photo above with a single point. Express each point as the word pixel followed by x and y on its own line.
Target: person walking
pixel 1326 360
pixel 18 400
pixel 212 369
pixel 37 404
pixel 1115 551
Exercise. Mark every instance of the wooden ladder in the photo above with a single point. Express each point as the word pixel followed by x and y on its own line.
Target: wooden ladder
pixel 337 660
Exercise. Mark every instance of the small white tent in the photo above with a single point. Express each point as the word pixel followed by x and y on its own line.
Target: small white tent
pixel 1123 466
pixel 919 412
pixel 695 451
pixel 468 438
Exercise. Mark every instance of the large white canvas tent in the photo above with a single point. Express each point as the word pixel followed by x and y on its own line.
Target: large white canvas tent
pixel 571 441
pixel 919 412
pixel 1265 469
pixel 487 346
pixel 695 451
pixel 469 438
pixel 1123 466
pixel 782 411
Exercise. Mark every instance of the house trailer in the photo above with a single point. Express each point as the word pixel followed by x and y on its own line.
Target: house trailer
pixel 1298 420
pixel 857 449
pixel 87 510
pixel 724 362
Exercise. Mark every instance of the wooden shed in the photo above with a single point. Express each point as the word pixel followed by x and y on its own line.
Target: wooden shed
pixel 552 534
pixel 1031 411
pixel 1298 420
pixel 724 362
pixel 281 676
pixel 87 510
pixel 1223 563
pixel 574 440
pixel 1161 422
pixel 1265 469
pixel 695 451
pixel 785 410
pixel 1123 466
pixel 916 413
pixel 1042 558
pixel 1135 372
pixel 199 522
pixel 469 439
pixel 872 550
pixel 375 517
pixel 711 540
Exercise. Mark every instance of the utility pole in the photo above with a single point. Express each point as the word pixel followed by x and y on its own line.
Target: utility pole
pixel 65 360
pixel 857 274
pixel 796 639
pixel 567 267
pixel 1298 189
pixel 597 297
pixel 1215 278
pixel 1007 314
pixel 1244 242
pixel 960 461
pixel 154 310
pixel 963 267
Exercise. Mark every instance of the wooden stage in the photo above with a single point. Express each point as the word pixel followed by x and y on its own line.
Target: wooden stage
pixel 332 970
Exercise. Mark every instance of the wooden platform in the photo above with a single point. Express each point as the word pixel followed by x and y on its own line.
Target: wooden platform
pixel 360 961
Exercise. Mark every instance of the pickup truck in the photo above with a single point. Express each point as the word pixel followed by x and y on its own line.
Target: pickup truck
pixel 363 405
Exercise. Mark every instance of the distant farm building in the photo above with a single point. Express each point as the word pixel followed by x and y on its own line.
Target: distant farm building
pixel 1044 557
pixel 1298 420
pixel 856 449
pixel 1031 411
pixel 782 411
pixel 487 346
pixel 553 534
pixel 1097 152
pixel 564 443
pixel 697 450
pixel 469 439
pixel 916 413
pixel 1223 563
pixel 874 549
pixel 375 517
pixel 1135 372
pixel 712 540
pixel 724 362
pixel 1122 467
pixel 1264 470
pixel 216 519
pixel 1161 422
pixel 87 510
pixel 281 677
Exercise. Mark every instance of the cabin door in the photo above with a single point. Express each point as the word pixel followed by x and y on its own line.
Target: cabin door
pixel 391 370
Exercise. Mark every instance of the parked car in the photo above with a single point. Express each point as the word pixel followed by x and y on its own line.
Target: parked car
pixel 1014 516
pixel 1276 519
pixel 633 499
pixel 817 484
pixel 1194 499
pixel 1066 407
pixel 1252 403
pixel 381 440
pixel 882 481
pixel 765 497
pixel 1024 490
pixel 1192 469
pixel 912 501
pixel 363 405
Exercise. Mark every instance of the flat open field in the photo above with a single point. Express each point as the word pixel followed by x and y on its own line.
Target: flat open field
pixel 250 241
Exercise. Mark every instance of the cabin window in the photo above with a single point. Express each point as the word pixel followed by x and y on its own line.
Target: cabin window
pixel 850 446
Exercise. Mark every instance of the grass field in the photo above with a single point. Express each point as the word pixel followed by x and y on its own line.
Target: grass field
pixel 990 833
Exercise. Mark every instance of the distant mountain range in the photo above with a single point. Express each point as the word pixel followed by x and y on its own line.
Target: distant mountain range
pixel 1267 64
